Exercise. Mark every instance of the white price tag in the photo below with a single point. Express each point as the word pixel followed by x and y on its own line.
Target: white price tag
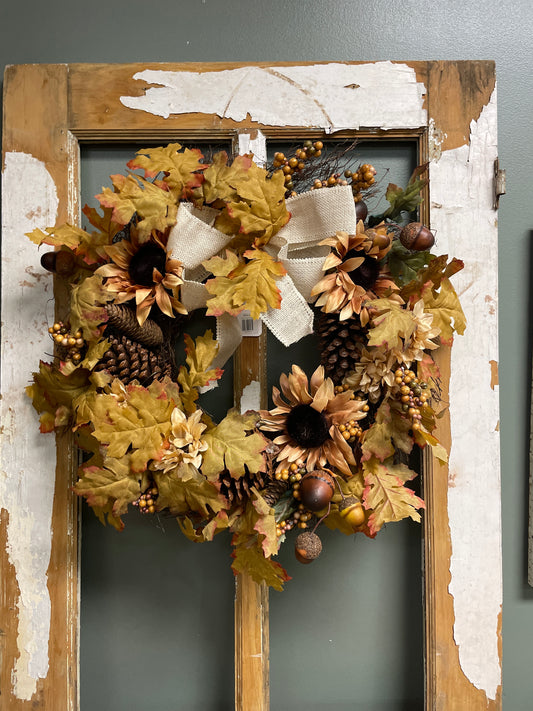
pixel 250 326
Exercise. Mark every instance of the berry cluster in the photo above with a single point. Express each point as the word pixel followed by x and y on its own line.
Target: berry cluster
pixel 146 501
pixel 69 345
pixel 351 430
pixel 362 179
pixel 333 180
pixel 296 163
pixel 298 518
pixel 412 395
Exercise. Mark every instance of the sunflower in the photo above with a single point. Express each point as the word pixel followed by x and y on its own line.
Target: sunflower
pixel 309 422
pixel 144 272
pixel 185 442
pixel 355 274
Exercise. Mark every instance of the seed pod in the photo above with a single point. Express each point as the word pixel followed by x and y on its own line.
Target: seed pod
pixel 307 547
pixel 316 490
pixel 416 237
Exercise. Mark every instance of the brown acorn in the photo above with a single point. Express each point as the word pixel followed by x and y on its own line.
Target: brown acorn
pixel 61 262
pixel 352 511
pixel 361 211
pixel 416 237
pixel 316 490
pixel 307 547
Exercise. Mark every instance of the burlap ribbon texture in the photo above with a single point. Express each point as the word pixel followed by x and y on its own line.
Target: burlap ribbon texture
pixel 315 215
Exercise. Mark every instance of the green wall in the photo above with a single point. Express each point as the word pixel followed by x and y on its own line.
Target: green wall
pixel 249 30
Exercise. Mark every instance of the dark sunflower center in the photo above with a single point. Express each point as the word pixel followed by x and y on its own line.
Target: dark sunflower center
pixel 307 427
pixel 143 262
pixel 367 274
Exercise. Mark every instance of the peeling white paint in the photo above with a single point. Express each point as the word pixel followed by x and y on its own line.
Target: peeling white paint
pixel 332 96
pixel 27 459
pixel 251 397
pixel 461 185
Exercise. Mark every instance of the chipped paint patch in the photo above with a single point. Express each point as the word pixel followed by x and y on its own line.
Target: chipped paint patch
pixel 29 200
pixel 494 378
pixel 251 397
pixel 461 188
pixel 332 96
pixel 436 138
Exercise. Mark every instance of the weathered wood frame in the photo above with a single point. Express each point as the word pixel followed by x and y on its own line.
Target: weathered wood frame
pixel 48 111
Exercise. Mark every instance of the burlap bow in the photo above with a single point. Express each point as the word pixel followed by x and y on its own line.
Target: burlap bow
pixel 315 215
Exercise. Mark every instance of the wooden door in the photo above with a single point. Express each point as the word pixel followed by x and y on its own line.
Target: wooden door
pixel 449 109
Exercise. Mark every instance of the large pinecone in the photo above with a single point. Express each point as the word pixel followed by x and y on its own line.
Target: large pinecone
pixel 130 360
pixel 338 344
pixel 238 490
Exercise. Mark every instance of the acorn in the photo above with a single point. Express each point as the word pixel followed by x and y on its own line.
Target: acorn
pixel 61 262
pixel 416 237
pixel 316 489
pixel 352 511
pixel 361 211
pixel 307 547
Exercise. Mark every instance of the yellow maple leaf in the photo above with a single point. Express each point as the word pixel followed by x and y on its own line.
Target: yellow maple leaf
pixel 260 211
pixel 386 495
pixel 242 285
pixel 182 168
pixel 446 309
pixel 231 446
pixel 87 307
pixel 220 178
pixel 390 324
pixel 250 559
pixel 155 208
pixel 198 372
pixel 185 489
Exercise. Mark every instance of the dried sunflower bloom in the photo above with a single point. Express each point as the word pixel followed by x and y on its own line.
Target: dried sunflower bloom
pixel 354 271
pixel 308 422
pixel 144 272
pixel 373 371
pixel 185 442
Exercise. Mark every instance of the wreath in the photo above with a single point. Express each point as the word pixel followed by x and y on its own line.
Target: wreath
pixel 291 244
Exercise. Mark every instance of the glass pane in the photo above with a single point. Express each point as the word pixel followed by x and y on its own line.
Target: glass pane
pixel 156 609
pixel 347 632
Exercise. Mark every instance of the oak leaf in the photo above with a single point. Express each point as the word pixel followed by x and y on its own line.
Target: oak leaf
pixel 185 489
pixel 231 445
pixel 130 417
pixel 53 393
pixel 87 307
pixel 386 495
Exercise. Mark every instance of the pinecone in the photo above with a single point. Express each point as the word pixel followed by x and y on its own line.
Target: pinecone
pixel 274 491
pixel 123 319
pixel 238 490
pixel 130 360
pixel 338 344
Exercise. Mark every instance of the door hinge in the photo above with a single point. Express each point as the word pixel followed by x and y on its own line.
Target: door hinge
pixel 499 183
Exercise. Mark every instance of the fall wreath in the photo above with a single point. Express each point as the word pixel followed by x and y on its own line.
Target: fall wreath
pixel 290 244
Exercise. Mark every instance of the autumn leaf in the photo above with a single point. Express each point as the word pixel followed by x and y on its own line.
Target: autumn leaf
pixel 250 560
pixel 220 178
pixel 422 437
pixel 105 515
pixel 446 309
pixel 406 200
pixel 130 417
pixel 390 324
pixel 386 494
pixel 231 446
pixel 95 352
pixel 182 168
pixel 198 372
pixel 432 275
pixel 156 208
pixel 53 393
pixel 244 285
pixel 61 236
pixel 404 265
pixel 185 489
pixel 110 481
pixel 260 211
pixel 87 307
pixel 258 516
pixel 427 369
